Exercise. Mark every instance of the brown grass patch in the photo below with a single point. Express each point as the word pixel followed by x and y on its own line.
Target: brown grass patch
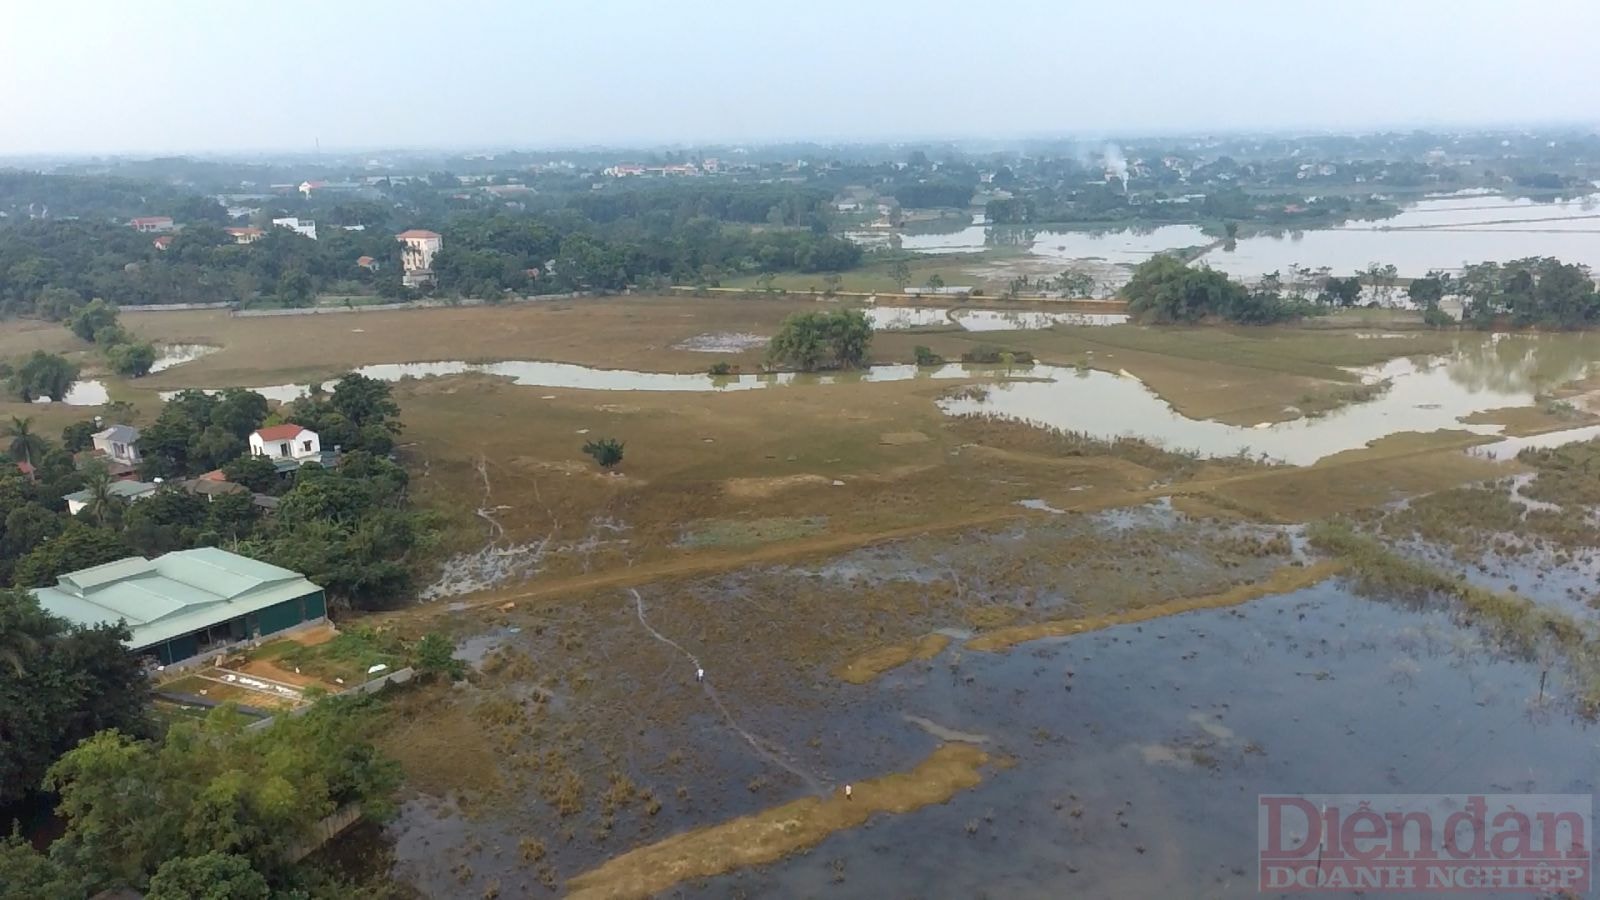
pixel 756 488
pixel 874 663
pixel 771 835
pixel 901 438
pixel 438 744
pixel 1284 580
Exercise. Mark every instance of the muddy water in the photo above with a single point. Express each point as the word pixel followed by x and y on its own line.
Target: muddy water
pixel 1439 233
pixel 1434 233
pixel 93 392
pixel 1508 448
pixel 1426 394
pixel 1130 246
pixel 901 318
pixel 569 375
pixel 1140 749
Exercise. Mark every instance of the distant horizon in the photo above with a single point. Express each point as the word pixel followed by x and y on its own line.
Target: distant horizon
pixel 99 78
pixel 1000 142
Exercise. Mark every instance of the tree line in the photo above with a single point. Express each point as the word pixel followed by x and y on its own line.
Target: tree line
pixel 350 528
pixel 582 240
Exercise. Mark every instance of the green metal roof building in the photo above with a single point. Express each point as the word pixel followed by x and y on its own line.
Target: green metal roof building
pixel 187 602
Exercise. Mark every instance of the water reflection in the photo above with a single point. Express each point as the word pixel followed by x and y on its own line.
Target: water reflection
pixel 1433 233
pixel 93 392
pixel 1425 394
pixel 1138 751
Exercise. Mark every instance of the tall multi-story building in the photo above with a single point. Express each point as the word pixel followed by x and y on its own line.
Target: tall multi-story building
pixel 416 255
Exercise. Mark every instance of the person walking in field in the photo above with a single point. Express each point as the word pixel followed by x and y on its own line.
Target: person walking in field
pixel 699 675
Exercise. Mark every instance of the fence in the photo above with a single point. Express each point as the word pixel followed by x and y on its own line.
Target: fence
pixel 173 307
pixel 324 831
pixel 398 676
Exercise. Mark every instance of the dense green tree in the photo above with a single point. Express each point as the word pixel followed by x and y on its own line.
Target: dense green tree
pixel 92 319
pixel 79 436
pixel 26 525
pixel 44 375
pixel 213 788
pixel 169 519
pixel 238 412
pixel 78 546
pixel 197 432
pixel 27 874
pixel 1166 290
pixel 1429 290
pixel 1342 291
pixel 212 876
pixel 822 340
pixel 131 359
pixel 366 401
pixel 232 517
pixel 254 472
pixel 1538 291
pixel 59 683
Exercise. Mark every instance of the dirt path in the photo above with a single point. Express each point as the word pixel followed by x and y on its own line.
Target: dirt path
pixel 831 544
pixel 765 749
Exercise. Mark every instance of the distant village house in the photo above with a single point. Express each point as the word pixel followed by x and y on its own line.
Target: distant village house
pixel 418 247
pixel 299 226
pixel 152 224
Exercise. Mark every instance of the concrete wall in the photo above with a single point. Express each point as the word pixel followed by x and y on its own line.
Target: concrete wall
pixel 389 307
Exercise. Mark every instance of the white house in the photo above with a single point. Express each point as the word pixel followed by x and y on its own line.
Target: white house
pixel 286 442
pixel 416 255
pixel 118 444
pixel 306 227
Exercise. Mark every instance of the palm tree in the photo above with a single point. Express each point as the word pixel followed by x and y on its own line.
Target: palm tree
pixel 97 482
pixel 25 445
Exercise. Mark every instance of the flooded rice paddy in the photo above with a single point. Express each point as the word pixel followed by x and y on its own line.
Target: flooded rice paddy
pixel 1131 755
pixel 1140 749
pixel 1441 232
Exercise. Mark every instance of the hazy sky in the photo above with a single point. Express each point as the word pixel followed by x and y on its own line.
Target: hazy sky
pixel 166 75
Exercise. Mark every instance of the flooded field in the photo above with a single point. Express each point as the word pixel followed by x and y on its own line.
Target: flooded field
pixel 93 392
pixel 1316 691
pixel 1433 233
pixel 588 731
pixel 1131 246
pixel 904 318
pixel 1439 233
pixel 1421 395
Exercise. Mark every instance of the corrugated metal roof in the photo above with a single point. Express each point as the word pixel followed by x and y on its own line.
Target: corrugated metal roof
pixel 125 434
pixel 171 595
pixel 124 489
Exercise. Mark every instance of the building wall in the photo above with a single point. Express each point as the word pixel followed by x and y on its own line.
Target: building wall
pixel 266 622
pixel 297 446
